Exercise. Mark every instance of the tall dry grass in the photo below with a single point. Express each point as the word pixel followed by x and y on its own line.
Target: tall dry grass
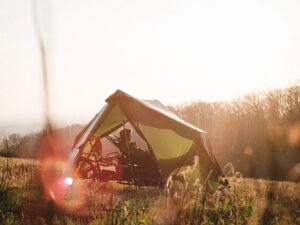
pixel 182 201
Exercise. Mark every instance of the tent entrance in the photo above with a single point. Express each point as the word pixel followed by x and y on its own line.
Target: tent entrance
pixel 120 154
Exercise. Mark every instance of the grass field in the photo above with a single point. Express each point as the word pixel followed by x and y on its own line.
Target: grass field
pixel 248 201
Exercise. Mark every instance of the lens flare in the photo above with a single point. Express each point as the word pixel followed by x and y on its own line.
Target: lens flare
pixel 57 173
pixel 69 181
pixel 248 151
pixel 52 195
pixel 294 135
pixel 63 185
pixel 66 193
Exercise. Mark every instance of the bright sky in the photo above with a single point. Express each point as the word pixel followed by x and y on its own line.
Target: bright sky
pixel 174 51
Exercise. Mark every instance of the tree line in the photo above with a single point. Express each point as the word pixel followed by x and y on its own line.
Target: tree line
pixel 259 133
pixel 30 145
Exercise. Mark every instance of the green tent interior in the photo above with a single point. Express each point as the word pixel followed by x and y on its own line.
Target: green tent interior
pixel 170 141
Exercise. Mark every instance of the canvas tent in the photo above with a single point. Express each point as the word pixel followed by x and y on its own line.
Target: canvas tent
pixel 172 141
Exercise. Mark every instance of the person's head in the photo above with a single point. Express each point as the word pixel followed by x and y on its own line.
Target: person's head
pixel 125 134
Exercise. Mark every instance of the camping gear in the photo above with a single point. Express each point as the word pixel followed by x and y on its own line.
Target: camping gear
pixel 167 141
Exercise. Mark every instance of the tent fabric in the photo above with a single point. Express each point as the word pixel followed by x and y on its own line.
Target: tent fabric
pixel 113 120
pixel 84 134
pixel 166 142
pixel 158 106
pixel 82 137
pixel 171 139
pixel 120 96
pixel 152 112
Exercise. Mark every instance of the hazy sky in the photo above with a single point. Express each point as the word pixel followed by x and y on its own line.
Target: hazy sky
pixel 174 51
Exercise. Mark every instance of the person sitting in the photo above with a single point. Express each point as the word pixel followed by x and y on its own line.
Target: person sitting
pixel 130 152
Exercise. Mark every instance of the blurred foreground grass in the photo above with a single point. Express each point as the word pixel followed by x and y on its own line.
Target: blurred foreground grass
pixel 248 201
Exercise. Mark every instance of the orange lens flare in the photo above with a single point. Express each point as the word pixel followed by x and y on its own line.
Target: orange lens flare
pixel 57 173
pixel 67 193
pixel 61 184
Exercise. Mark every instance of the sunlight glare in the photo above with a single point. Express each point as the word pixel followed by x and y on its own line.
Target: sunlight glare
pixel 69 181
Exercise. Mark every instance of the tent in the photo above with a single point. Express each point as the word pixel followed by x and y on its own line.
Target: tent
pixel 171 141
